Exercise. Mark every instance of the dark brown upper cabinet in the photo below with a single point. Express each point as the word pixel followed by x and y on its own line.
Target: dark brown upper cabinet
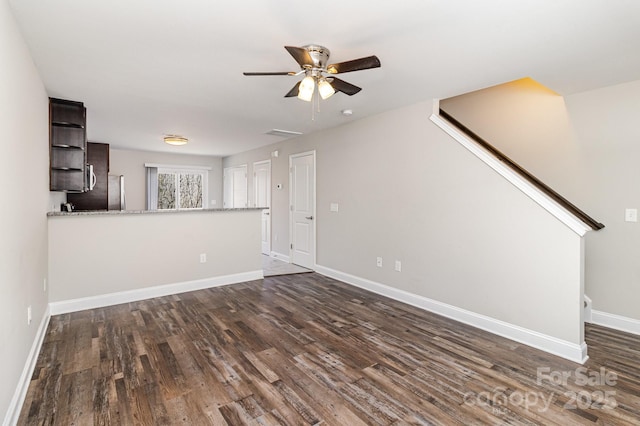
pixel 67 146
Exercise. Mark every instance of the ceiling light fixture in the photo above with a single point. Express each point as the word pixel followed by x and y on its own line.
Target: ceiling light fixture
pixel 307 87
pixel 325 89
pixel 175 140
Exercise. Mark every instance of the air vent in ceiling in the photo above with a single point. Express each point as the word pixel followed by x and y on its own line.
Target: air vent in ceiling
pixel 283 133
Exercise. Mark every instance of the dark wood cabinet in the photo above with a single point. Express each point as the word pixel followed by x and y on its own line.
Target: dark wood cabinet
pixel 69 113
pixel 67 146
pixel 98 197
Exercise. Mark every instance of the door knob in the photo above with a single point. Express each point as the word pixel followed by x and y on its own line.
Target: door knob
pixel 309 217
pixel 266 213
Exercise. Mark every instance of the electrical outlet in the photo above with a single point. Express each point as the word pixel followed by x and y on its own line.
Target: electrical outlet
pixel 398 266
pixel 203 257
pixel 379 262
pixel 29 318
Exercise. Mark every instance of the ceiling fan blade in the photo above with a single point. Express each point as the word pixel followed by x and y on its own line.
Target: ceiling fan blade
pixel 354 65
pixel 344 87
pixel 293 92
pixel 301 55
pixel 269 73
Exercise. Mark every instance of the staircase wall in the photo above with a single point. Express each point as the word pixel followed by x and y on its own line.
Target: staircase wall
pixel 585 146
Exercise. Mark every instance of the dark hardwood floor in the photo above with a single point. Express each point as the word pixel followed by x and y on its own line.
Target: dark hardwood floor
pixel 306 349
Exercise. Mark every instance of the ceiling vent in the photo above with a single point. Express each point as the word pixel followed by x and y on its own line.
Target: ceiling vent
pixel 283 133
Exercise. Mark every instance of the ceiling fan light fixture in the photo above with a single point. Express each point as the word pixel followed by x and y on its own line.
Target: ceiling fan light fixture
pixel 325 89
pixel 313 60
pixel 307 87
pixel 175 140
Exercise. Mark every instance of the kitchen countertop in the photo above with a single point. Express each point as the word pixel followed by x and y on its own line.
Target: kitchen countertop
pixel 126 212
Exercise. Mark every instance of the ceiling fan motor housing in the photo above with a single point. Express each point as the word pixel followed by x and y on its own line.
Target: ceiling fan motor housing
pixel 319 56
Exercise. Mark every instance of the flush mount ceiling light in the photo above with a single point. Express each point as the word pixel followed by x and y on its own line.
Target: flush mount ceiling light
pixel 175 140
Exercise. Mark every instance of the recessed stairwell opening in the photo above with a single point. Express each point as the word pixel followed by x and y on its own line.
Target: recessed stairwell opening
pixel 514 135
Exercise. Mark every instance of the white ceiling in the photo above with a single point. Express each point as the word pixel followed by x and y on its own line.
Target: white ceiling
pixel 145 68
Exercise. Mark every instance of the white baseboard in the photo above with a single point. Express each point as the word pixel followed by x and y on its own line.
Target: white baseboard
pixel 20 393
pixel 618 322
pixel 562 348
pixel 102 300
pixel 281 256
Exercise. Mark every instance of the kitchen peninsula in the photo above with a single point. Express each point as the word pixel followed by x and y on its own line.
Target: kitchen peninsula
pixel 100 258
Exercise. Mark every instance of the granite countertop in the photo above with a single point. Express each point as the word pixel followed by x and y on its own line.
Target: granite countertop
pixel 125 212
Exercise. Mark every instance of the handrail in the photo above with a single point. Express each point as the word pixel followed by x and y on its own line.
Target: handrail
pixel 588 220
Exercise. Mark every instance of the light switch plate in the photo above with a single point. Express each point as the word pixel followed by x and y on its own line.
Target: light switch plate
pixel 334 207
pixel 631 215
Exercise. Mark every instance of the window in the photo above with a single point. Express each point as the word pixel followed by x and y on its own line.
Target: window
pixel 173 188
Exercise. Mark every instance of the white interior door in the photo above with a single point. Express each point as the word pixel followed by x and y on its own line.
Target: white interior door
pixel 262 198
pixel 303 200
pixel 235 187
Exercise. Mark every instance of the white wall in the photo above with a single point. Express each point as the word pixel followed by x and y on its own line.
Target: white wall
pixel 102 254
pixel 585 146
pixel 465 236
pixel 24 185
pixel 131 163
pixel 529 123
pixel 608 137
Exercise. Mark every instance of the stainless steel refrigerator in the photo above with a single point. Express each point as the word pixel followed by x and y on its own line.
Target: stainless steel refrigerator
pixel 116 193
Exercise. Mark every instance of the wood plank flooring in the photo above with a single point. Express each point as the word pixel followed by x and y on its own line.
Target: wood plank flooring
pixel 306 349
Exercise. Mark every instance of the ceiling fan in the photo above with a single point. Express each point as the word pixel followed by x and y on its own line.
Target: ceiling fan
pixel 313 61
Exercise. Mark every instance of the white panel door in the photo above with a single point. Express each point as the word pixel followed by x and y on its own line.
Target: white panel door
pixel 240 186
pixel 235 187
pixel 227 193
pixel 262 198
pixel 302 199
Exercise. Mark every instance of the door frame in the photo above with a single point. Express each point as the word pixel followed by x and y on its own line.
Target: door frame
pixel 315 216
pixel 269 195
